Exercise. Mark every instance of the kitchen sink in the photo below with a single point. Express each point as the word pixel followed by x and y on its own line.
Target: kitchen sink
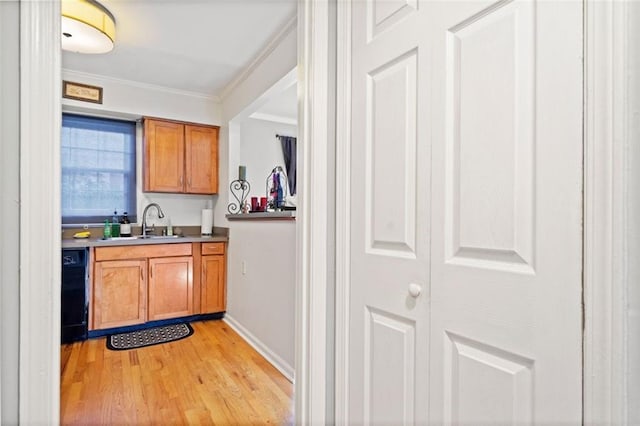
pixel 121 238
pixel 140 237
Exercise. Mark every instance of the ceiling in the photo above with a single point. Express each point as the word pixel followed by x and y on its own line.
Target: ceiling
pixel 280 108
pixel 196 46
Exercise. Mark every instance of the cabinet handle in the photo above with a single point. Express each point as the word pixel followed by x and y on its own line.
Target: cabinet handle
pixel 151 271
pixel 141 275
pixel 181 180
pixel 189 182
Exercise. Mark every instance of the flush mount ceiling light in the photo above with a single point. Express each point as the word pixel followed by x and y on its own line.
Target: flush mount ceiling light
pixel 87 27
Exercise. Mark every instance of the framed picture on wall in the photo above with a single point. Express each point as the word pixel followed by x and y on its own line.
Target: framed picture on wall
pixel 81 92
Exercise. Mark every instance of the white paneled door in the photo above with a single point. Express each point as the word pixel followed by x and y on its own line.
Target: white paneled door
pixel 465 212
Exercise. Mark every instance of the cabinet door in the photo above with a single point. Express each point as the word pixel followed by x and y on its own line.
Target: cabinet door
pixel 163 156
pixel 170 287
pixel 201 150
pixel 213 284
pixel 120 293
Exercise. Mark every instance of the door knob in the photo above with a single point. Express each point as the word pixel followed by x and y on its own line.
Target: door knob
pixel 415 290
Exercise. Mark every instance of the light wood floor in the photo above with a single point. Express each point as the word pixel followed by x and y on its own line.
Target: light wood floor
pixel 211 377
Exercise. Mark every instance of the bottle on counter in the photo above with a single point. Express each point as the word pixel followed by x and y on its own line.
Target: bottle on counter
pixel 106 232
pixel 169 227
pixel 115 225
pixel 279 195
pixel 125 226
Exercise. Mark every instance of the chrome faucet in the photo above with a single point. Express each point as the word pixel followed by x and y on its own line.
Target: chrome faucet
pixel 144 217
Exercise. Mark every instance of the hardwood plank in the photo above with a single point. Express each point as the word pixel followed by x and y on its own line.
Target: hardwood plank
pixel 212 377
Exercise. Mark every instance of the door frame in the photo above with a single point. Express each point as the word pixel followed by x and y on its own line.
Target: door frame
pixel 315 221
pixel 606 195
pixel 39 227
pixel 605 238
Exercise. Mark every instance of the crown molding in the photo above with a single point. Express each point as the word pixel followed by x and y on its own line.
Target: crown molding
pixel 291 25
pixel 140 85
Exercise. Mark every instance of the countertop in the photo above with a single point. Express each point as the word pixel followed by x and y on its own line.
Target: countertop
pixel 219 235
pixel 280 215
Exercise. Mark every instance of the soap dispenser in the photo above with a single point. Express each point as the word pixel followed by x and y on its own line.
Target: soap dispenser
pixel 115 225
pixel 125 226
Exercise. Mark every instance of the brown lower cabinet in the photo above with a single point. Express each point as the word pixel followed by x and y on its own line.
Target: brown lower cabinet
pixel 119 293
pixel 213 284
pixel 136 284
pixel 170 287
pixel 213 278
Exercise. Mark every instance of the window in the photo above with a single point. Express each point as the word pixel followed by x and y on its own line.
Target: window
pixel 98 168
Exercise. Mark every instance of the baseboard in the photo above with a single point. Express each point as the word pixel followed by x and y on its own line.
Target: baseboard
pixel 286 370
pixel 150 324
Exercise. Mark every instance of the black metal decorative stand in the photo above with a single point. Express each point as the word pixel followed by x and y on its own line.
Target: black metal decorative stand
pixel 240 190
pixel 277 178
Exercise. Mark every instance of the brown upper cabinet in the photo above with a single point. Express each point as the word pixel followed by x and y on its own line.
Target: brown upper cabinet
pixel 180 157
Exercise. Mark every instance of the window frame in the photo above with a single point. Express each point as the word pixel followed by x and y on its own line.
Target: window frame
pixel 98 220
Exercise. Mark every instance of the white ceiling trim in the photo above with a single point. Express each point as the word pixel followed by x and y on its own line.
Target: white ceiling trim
pixel 274 118
pixel 81 74
pixel 260 57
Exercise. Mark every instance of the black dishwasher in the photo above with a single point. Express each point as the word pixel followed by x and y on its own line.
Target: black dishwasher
pixel 75 302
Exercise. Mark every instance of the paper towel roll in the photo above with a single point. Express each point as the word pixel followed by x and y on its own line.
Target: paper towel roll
pixel 207 222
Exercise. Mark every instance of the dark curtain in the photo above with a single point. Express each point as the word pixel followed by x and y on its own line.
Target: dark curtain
pixel 289 151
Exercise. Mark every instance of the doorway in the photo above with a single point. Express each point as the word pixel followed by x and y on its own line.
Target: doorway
pixel 262 251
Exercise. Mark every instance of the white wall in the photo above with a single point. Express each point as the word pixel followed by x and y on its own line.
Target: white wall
pixel 261 300
pixel 130 100
pixel 260 303
pixel 261 151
